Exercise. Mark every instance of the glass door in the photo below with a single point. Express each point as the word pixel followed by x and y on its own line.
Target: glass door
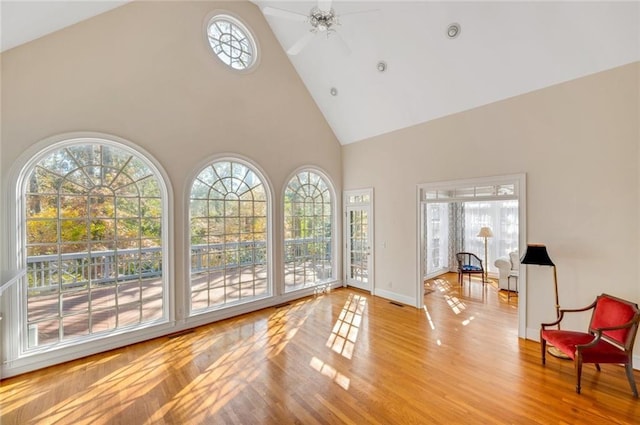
pixel 359 246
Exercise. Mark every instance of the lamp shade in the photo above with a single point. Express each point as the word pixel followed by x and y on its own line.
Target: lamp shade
pixel 485 232
pixel 536 254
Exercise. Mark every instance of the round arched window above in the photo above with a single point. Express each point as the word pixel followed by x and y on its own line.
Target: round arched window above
pixel 232 42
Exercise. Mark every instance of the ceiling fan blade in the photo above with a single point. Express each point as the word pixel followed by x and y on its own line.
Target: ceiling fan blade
pixel 325 5
pixel 358 12
pixel 343 43
pixel 286 14
pixel 300 44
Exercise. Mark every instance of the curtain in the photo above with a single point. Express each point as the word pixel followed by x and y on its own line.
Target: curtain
pixel 456 232
pixel 437 238
pixel 502 218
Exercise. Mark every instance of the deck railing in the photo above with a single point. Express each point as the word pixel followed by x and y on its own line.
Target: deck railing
pixel 79 269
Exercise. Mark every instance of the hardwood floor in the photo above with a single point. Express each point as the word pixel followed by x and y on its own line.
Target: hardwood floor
pixel 342 357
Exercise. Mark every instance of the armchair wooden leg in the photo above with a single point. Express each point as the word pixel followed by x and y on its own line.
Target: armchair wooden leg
pixel 578 361
pixel 543 346
pixel 632 382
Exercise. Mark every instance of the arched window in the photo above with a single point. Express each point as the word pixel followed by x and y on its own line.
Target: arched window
pixel 308 231
pixel 229 220
pixel 232 42
pixel 94 228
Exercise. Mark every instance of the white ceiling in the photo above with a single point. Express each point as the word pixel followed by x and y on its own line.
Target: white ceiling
pixel 25 20
pixel 505 49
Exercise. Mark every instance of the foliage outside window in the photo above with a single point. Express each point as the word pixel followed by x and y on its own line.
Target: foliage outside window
pixel 229 234
pixel 93 243
pixel 308 228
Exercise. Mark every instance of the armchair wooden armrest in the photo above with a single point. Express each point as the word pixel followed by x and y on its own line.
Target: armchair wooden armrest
pixel 567 310
pixel 597 333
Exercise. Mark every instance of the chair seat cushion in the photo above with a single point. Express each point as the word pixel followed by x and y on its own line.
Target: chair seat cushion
pixel 470 268
pixel 602 352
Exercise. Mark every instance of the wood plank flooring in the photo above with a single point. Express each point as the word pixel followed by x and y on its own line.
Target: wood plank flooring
pixel 343 357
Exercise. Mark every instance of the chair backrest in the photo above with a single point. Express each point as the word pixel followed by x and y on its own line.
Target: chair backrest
pixel 612 311
pixel 515 260
pixel 468 259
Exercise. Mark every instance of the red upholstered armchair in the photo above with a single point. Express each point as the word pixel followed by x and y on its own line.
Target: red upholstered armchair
pixel 610 338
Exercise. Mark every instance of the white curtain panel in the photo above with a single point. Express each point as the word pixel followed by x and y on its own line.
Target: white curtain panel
pixel 502 218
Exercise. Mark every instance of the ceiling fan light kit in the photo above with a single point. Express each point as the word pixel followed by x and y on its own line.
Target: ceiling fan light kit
pixel 322 20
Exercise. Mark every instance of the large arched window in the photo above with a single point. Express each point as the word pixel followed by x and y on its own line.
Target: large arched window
pixel 229 220
pixel 308 231
pixel 94 227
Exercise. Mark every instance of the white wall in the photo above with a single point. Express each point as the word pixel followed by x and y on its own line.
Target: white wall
pixel 145 72
pixel 578 144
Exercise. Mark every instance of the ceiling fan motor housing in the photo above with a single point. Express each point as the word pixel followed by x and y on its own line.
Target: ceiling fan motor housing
pixel 322 20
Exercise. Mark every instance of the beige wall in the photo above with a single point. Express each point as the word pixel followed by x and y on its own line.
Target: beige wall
pixel 577 142
pixel 145 72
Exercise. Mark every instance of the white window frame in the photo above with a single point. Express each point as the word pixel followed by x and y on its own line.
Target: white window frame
pixel 335 253
pixel 200 317
pixel 16 358
pixel 234 19
pixel 242 306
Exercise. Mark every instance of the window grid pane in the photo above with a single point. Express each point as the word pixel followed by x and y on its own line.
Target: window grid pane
pixel 86 238
pixel 308 227
pixel 229 261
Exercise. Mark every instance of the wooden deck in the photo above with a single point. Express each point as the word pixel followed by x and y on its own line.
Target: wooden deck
pixel 343 357
pixel 132 302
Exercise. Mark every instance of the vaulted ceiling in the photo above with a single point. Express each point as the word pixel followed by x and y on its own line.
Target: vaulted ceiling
pixel 504 49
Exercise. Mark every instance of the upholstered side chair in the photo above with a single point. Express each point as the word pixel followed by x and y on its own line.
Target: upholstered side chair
pixel 609 339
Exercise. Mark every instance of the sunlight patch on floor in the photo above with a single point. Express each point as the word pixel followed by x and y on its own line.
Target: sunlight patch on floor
pixel 455 304
pixel 345 331
pixel 330 372
pixel 230 373
pixel 433 326
pixel 443 285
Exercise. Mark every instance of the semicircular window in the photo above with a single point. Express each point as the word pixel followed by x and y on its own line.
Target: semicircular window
pixel 94 228
pixel 229 234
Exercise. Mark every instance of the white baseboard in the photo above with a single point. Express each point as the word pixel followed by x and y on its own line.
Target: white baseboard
pixel 395 297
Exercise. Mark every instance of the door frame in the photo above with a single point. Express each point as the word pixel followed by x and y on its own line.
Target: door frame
pixel 346 204
pixel 520 182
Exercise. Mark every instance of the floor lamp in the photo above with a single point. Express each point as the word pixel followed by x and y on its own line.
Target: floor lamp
pixel 485 232
pixel 537 254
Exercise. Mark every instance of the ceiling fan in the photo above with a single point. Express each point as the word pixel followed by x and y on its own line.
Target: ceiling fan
pixel 323 20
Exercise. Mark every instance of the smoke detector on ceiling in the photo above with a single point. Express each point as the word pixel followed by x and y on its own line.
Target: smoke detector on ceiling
pixel 453 30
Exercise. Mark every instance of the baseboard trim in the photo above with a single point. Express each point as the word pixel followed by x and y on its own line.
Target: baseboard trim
pixel 395 297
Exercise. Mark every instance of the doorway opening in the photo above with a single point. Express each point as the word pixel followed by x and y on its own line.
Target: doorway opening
pixel 358 234
pixel 484 216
